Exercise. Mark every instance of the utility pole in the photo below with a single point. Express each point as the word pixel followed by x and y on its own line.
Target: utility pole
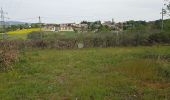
pixel 3 23
pixel 39 21
pixel 113 22
pixel 40 25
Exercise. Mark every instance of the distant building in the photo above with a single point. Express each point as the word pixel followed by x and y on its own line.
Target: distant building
pixel 81 27
pixel 110 24
pixel 60 27
pixel 66 27
pixel 114 26
pixel 119 26
pixel 50 27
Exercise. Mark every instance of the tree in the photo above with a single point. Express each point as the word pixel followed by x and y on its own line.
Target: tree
pixel 167 5
pixel 35 25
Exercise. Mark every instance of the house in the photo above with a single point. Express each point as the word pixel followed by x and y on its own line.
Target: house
pixel 66 27
pixel 81 27
pixel 59 27
pixel 109 24
pixel 51 27
pixel 119 26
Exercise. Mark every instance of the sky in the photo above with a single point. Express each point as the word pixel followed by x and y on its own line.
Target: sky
pixel 64 11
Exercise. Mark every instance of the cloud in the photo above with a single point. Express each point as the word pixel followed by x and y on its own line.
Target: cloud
pixel 77 10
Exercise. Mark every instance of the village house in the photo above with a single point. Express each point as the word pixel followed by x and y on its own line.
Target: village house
pixel 51 27
pixel 59 27
pixel 66 27
pixel 119 26
pixel 81 27
pixel 110 24
pixel 113 25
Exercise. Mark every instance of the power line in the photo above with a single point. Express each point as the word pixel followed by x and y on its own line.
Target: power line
pixel 2 19
pixel 163 13
pixel 3 24
pixel 34 18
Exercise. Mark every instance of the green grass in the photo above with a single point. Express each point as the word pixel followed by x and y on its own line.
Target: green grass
pixel 60 35
pixel 89 74
pixel 68 34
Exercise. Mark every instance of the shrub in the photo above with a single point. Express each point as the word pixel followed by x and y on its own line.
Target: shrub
pixel 35 35
pixel 162 37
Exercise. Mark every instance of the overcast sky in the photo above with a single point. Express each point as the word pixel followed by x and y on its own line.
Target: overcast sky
pixel 61 11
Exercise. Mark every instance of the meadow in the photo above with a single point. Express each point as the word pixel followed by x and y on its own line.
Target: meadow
pixel 122 73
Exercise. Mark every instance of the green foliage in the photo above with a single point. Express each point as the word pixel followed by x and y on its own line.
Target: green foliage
pixel 95 25
pixel 167 25
pixel 18 27
pixel 102 39
pixel 35 25
pixel 167 5
pixel 146 26
pixel 135 25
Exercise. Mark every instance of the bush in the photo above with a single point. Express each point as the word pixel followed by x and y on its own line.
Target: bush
pixel 35 35
pixel 163 37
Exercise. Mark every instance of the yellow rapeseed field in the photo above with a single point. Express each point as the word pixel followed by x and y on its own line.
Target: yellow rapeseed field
pixel 23 32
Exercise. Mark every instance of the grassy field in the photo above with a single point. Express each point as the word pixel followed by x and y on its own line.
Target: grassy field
pixel 141 73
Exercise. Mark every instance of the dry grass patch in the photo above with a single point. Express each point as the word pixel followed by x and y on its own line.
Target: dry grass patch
pixel 7 59
pixel 149 73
